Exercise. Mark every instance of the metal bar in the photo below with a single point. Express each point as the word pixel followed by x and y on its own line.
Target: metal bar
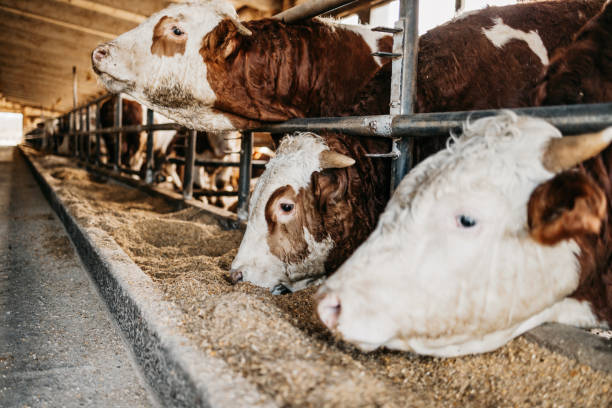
pixel 80 137
pixel 568 118
pixel 74 138
pixel 404 72
pixel 310 9
pixel 149 160
pixel 88 137
pixel 118 121
pixel 211 193
pixel 244 179
pixel 189 161
pixel 75 101
pixel 98 124
pixel 219 163
pixel 139 128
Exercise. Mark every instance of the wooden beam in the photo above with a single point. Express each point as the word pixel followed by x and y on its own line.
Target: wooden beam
pixel 145 8
pixel 102 34
pixel 21 24
pixel 107 10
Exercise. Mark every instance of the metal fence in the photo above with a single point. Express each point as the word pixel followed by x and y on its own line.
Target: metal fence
pixel 401 125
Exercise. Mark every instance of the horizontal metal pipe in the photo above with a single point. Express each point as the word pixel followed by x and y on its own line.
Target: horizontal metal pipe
pixel 210 193
pixel 134 128
pixel 569 119
pixel 310 9
pixel 218 163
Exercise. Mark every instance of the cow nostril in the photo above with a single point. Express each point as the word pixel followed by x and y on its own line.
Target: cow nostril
pixel 235 276
pixel 280 289
pixel 100 53
pixel 329 310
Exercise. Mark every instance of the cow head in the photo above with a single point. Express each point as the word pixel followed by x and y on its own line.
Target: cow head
pixel 476 245
pixel 285 246
pixel 147 61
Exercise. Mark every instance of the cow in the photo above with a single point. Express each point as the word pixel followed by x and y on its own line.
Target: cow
pixel 274 256
pixel 482 241
pixel 131 115
pixel 197 64
pixel 582 71
pixel 225 74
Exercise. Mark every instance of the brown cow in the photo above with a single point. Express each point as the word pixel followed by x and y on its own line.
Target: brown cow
pixel 582 71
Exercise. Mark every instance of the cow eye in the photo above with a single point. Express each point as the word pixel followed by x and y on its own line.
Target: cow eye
pixel 466 221
pixel 286 207
pixel 177 31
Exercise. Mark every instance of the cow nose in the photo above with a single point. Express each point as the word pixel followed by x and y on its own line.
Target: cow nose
pixel 329 310
pixel 100 53
pixel 235 276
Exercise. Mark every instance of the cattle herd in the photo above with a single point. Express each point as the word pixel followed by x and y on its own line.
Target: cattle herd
pixel 492 233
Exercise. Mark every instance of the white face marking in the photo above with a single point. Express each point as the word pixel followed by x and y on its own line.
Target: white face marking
pixel 500 34
pixel 451 268
pixel 174 86
pixel 296 159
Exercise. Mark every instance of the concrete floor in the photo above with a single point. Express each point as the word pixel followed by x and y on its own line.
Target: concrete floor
pixel 59 346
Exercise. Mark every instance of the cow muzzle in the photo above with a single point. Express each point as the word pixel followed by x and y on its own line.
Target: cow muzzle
pixel 329 309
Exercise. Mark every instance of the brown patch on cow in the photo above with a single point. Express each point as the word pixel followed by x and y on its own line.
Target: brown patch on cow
pixel 568 205
pixel 582 71
pixel 286 240
pixel 165 42
pixel 287 71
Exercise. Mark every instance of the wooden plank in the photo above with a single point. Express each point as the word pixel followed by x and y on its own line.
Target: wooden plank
pixel 25 25
pixel 107 10
pixel 76 27
pixel 145 8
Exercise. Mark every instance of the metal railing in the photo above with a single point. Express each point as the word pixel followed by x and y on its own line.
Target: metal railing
pixel 401 125
pixel 79 142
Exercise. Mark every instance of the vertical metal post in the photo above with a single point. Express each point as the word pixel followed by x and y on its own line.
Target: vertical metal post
pixel 73 135
pixel 403 82
pixel 80 136
pixel 189 165
pixel 98 136
pixel 75 100
pixel 244 179
pixel 88 136
pixel 149 160
pixel 118 121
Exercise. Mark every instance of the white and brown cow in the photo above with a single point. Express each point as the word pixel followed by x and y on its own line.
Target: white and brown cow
pixel 484 240
pixel 197 64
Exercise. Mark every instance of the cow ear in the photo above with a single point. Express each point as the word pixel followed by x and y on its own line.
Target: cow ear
pixel 329 188
pixel 221 42
pixel 569 205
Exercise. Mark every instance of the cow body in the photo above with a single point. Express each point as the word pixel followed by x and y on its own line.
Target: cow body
pixel 480 243
pixel 582 71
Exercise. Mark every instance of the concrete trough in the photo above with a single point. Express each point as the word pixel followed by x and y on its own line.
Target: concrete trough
pixel 177 371
pixel 181 374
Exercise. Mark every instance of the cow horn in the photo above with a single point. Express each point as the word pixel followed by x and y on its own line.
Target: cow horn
pixel 241 28
pixel 566 152
pixel 334 160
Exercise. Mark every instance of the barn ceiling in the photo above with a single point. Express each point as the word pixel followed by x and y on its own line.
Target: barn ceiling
pixel 41 40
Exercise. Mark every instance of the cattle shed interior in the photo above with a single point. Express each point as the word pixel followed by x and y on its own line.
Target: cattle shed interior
pixel 118 284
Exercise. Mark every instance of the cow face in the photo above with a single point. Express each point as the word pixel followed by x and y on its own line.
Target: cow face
pixel 285 246
pixel 455 266
pixel 146 62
